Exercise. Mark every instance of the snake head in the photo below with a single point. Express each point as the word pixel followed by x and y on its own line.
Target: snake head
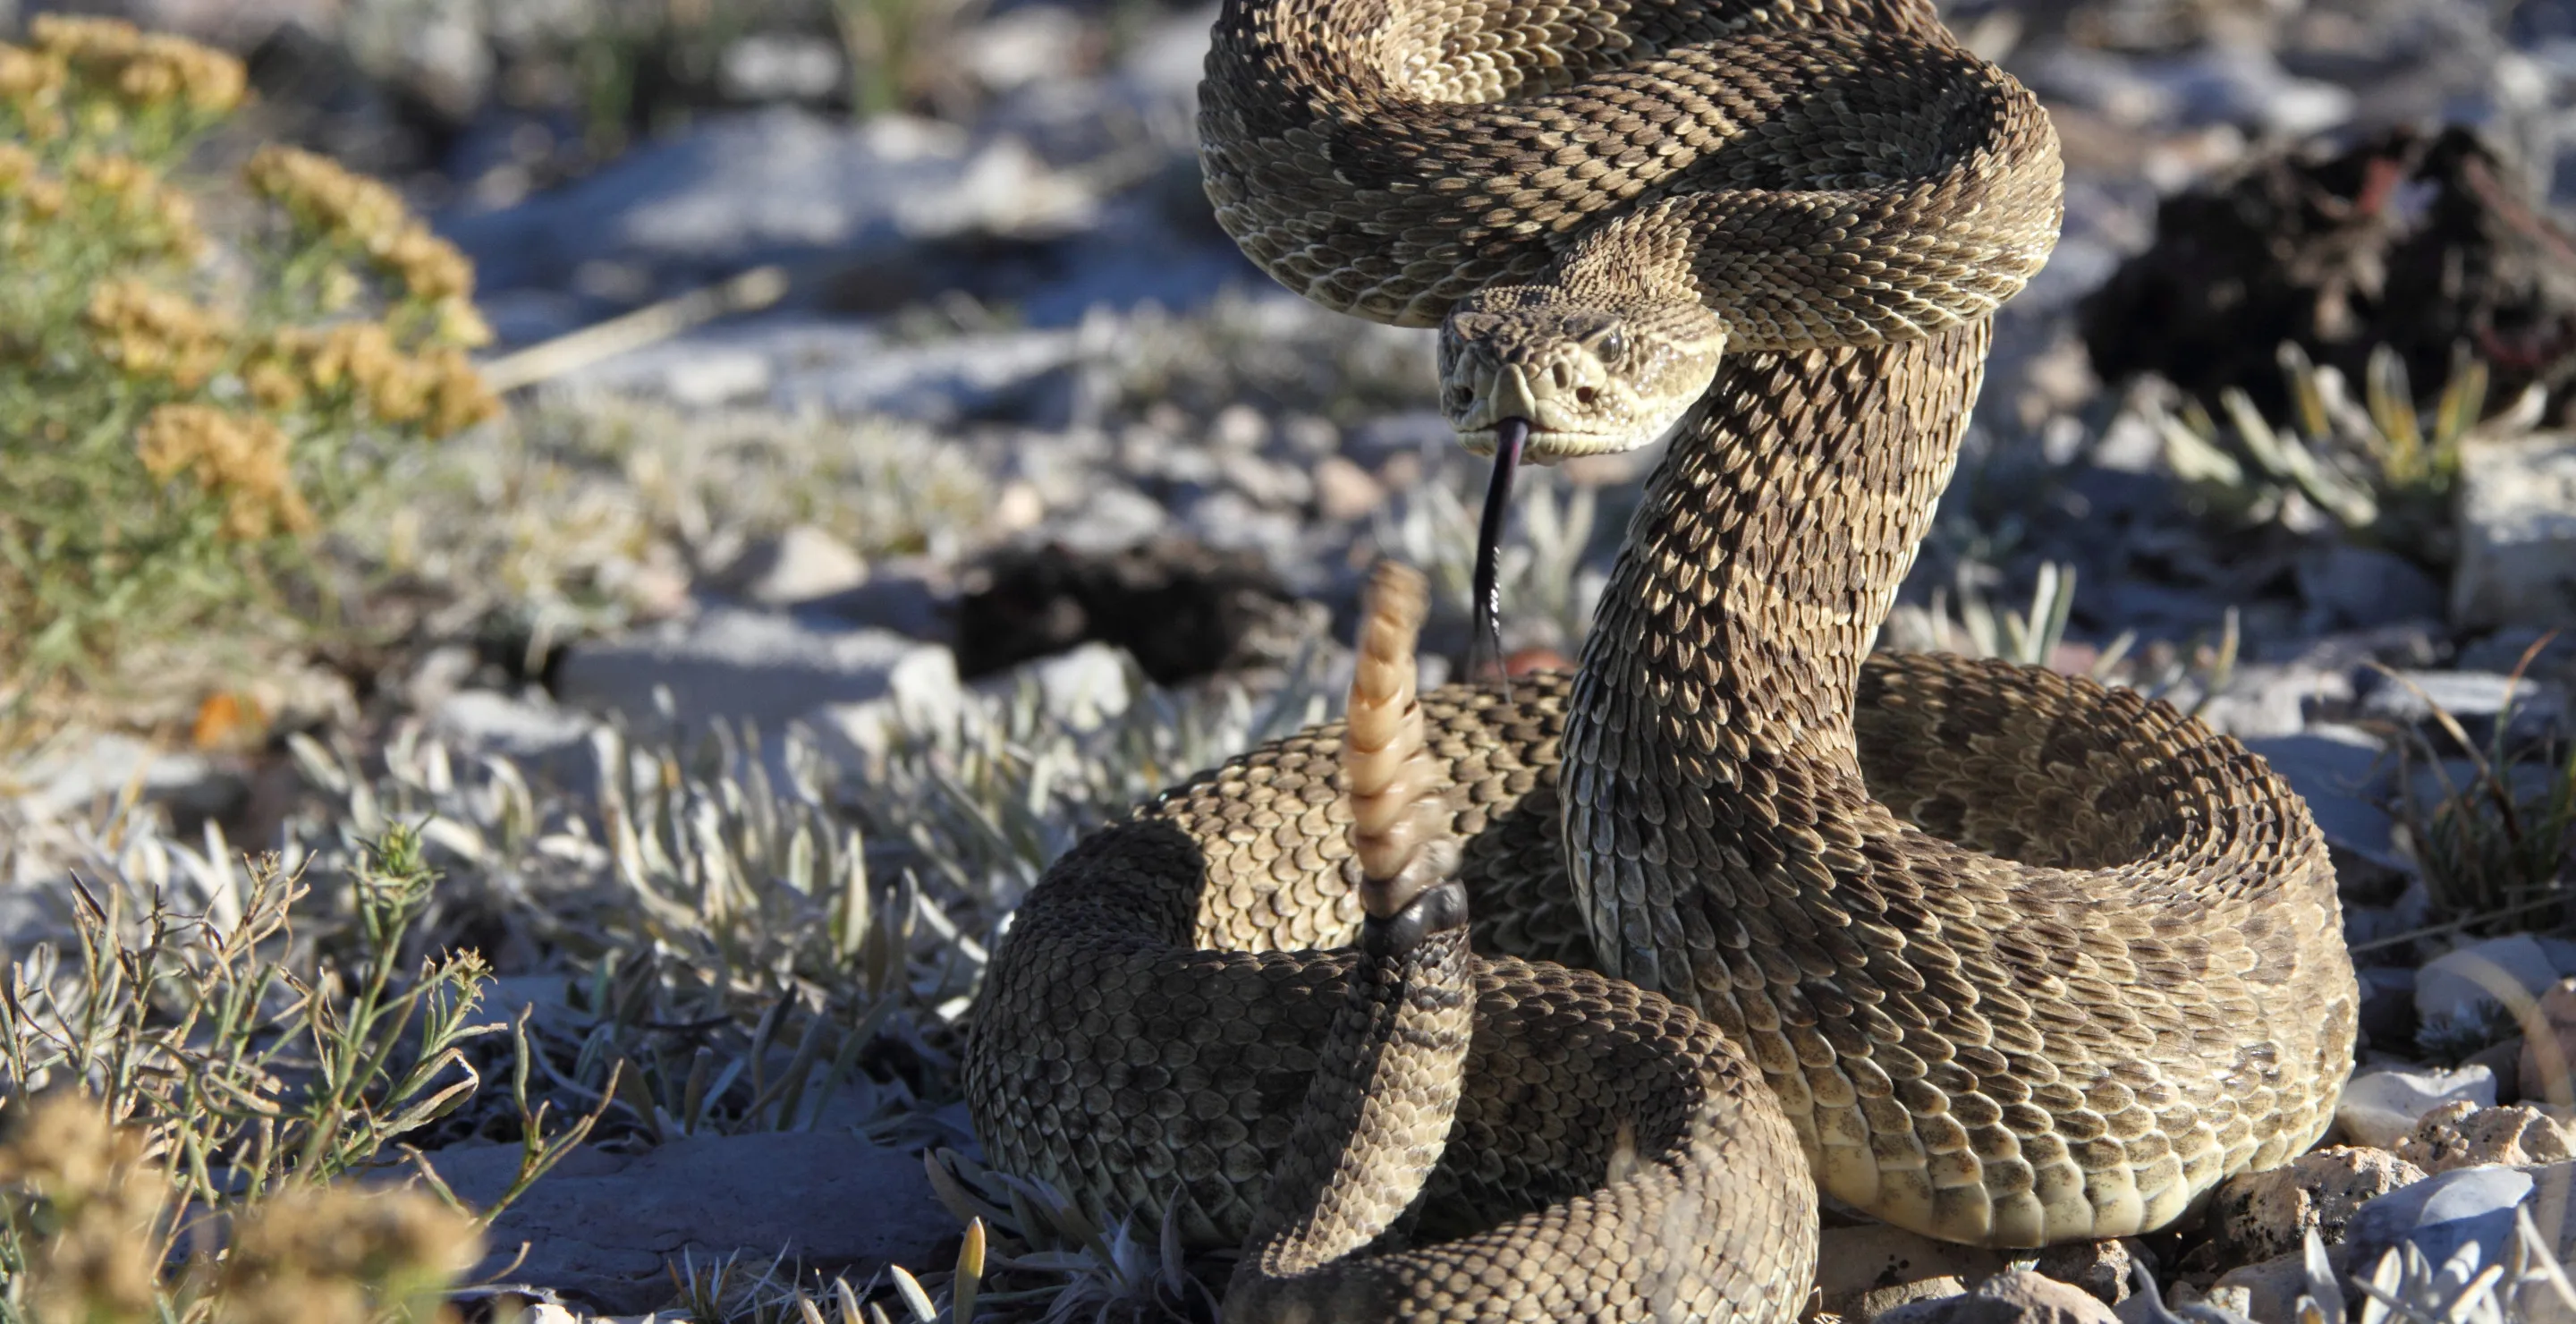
pixel 1591 375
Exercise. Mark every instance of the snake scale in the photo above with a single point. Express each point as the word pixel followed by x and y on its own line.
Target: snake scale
pixel 1563 1003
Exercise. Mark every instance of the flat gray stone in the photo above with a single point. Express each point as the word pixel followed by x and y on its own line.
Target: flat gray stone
pixel 761 667
pixel 601 1226
pixel 2516 512
pixel 1867 1271
pixel 796 364
pixel 2363 587
pixel 530 732
pixel 2380 1105
pixel 801 564
pixel 768 185
pixel 2440 1214
pixel 2457 990
pixel 72 780
pixel 2476 700
pixel 2272 1288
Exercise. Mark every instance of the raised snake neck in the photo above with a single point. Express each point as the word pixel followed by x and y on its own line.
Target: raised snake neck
pixel 2074 960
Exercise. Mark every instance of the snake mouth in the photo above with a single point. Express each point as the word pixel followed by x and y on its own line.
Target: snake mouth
pixel 1511 437
pixel 1542 445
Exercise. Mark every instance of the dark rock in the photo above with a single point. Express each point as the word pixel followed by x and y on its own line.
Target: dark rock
pixel 2360 587
pixel 2102 1268
pixel 2335 253
pixel 1182 609
pixel 2387 1004
pixel 2552 653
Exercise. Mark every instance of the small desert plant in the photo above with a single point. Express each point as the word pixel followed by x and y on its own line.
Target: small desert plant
pixel 1049 1251
pixel 709 938
pixel 2379 469
pixel 255 1058
pixel 2495 847
pixel 2030 639
pixel 183 1097
pixel 175 421
pixel 2190 675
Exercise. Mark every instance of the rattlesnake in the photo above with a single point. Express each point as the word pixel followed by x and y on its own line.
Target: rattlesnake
pixel 2020 959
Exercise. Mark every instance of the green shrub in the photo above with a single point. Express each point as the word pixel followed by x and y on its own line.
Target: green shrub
pixel 187 1103
pixel 178 419
pixel 2378 470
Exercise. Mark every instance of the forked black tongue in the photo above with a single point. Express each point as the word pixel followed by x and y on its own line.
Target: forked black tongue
pixel 1485 652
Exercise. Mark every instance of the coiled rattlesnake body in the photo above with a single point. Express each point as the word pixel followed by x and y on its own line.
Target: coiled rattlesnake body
pixel 2020 959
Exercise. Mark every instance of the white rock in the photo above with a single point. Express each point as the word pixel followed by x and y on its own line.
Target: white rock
pixel 1112 518
pixel 2264 699
pixel 70 781
pixel 1171 54
pixel 2462 987
pixel 527 731
pixel 754 666
pixel 799 365
pixel 740 188
pixel 2516 513
pixel 773 66
pixel 440 672
pixel 1868 1270
pixel 1021 47
pixel 2414 696
pixel 1082 686
pixel 2441 1213
pixel 2240 83
pixel 2381 1105
pixel 704 381
pixel 799 565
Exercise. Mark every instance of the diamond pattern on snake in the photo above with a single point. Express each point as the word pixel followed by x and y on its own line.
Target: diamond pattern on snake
pixel 1565 1003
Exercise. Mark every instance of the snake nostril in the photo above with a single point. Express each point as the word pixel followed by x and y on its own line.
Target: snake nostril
pixel 1583 395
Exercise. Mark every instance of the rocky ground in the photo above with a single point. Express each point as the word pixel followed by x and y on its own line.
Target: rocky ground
pixel 1029 494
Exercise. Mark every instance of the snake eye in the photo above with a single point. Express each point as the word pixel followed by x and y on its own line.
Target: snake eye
pixel 1613 344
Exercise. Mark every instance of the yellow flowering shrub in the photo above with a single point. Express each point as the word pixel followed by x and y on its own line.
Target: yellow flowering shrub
pixel 91 1213
pixel 175 428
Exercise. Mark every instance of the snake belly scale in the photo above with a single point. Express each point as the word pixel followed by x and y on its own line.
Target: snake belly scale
pixel 1997 955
